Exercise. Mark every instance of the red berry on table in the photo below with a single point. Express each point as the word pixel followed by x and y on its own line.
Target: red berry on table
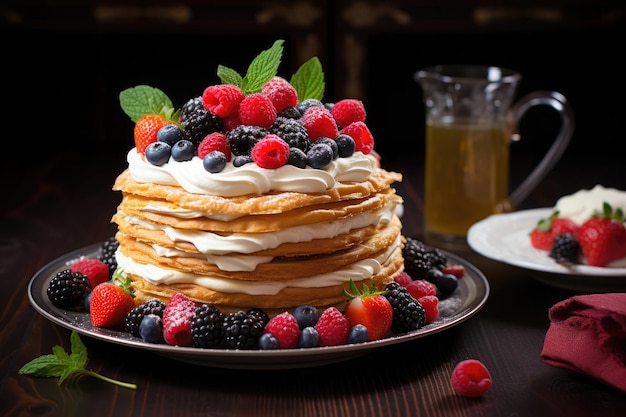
pixel 281 93
pixel 222 99
pixel 347 111
pixel 602 238
pixel 318 123
pixel 362 136
pixel 109 305
pixel 271 152
pixel 215 141
pixel 284 327
pixel 96 270
pixel 542 236
pixel 369 307
pixel 470 378
pixel 257 110
pixel 146 129
pixel 332 327
pixel 177 318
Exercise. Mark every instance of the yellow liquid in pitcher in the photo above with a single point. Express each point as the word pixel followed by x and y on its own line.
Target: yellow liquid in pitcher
pixel 467 177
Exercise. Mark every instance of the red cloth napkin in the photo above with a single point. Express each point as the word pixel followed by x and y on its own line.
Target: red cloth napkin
pixel 587 334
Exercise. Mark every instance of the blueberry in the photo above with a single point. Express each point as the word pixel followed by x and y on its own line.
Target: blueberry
pixel 297 157
pixel 447 283
pixel 182 150
pixel 306 315
pixel 241 160
pixel 268 341
pixel 358 334
pixel 151 329
pixel 88 302
pixel 345 145
pixel 319 155
pixel 309 337
pixel 158 153
pixel 306 104
pixel 330 142
pixel 170 134
pixel 214 161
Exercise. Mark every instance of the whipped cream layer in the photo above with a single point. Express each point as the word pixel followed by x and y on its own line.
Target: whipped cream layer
pixel 358 271
pixel 581 205
pixel 250 178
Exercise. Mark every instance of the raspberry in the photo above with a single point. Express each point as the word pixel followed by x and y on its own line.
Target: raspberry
pixel 222 99
pixel 420 288
pixel 348 111
pixel 362 136
pixel 332 327
pixel 96 270
pixel 257 110
pixel 470 378
pixel 215 141
pixel 231 122
pixel 318 122
pixel 284 327
pixel 403 279
pixel 271 152
pixel 177 318
pixel 456 270
pixel 430 303
pixel 281 93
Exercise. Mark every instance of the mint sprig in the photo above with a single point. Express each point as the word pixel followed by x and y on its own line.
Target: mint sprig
pixel 309 80
pixel 61 364
pixel 143 99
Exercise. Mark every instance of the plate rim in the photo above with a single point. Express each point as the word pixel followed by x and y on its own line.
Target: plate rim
pixel 246 359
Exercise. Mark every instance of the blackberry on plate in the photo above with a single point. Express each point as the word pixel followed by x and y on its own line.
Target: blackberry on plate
pixel 206 326
pixel 107 254
pixel 68 290
pixel 242 330
pixel 291 131
pixel 133 318
pixel 565 248
pixel 408 313
pixel 419 261
pixel 243 138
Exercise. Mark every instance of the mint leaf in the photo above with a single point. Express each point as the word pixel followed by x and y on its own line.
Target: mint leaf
pixel 61 365
pixel 263 68
pixel 229 76
pixel 309 80
pixel 143 99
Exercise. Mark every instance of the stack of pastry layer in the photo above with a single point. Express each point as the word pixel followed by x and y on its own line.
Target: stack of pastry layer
pixel 272 251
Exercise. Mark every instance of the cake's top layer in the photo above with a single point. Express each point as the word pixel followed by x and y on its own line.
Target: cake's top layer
pixel 581 205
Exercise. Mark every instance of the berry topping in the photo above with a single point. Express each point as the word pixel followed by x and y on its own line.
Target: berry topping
pixel 170 134
pixel 603 237
pixel 107 254
pixel 146 129
pixel 430 303
pixel 347 111
pixel 96 270
pixel 158 153
pixel 271 152
pixel 206 326
pixel 183 150
pixel 363 139
pixel 566 248
pixel 306 315
pixel 68 290
pixel 318 122
pixel 151 329
pixel 369 307
pixel 135 316
pixel 542 236
pixel 257 110
pixel 358 334
pixel 242 330
pixel 332 327
pixel 285 329
pixel 214 161
pixel 109 305
pixel 309 337
pixel 281 93
pixel 319 155
pixel 470 378
pixel 420 288
pixel 223 99
pixel 177 318
pixel 408 313
pixel 215 141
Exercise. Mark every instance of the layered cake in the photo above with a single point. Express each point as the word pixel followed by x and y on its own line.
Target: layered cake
pixel 243 204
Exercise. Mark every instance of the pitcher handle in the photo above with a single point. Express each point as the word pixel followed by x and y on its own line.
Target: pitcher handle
pixel 559 103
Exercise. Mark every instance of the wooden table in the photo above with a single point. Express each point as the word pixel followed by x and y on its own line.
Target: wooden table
pixel 59 203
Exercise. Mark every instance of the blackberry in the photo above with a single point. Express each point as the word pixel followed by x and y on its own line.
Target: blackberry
pixel 419 260
pixel 242 330
pixel 262 314
pixel 243 138
pixel 133 318
pixel 199 123
pixel 437 258
pixel 291 131
pixel 565 248
pixel 191 106
pixel 206 326
pixel 68 290
pixel 408 313
pixel 107 254
pixel 290 112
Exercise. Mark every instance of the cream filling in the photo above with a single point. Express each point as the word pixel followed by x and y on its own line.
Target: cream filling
pixel 358 271
pixel 581 205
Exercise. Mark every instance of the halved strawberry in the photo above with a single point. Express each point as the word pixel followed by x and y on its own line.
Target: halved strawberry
pixel 369 307
pixel 542 236
pixel 602 238
pixel 146 129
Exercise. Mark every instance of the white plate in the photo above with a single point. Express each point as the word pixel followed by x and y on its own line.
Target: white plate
pixel 469 297
pixel 505 238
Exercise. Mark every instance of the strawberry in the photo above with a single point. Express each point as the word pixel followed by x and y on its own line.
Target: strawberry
pixel 110 303
pixel 370 308
pixel 96 270
pixel 542 236
pixel 146 129
pixel 602 238
pixel 177 320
